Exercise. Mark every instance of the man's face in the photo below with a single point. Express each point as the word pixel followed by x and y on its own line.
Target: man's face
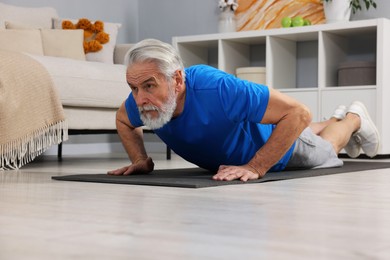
pixel 154 95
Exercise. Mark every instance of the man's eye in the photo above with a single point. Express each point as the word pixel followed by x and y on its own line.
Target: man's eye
pixel 134 89
pixel 148 86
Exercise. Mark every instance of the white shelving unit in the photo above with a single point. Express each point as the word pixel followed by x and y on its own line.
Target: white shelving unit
pixel 303 61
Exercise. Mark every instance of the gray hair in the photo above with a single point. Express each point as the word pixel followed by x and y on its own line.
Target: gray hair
pixel 163 54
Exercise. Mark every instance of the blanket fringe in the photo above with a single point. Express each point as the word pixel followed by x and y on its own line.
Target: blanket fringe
pixel 19 152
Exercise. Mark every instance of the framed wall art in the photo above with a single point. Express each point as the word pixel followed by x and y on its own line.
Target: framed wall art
pixel 268 14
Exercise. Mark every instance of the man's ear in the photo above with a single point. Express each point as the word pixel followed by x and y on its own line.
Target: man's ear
pixel 179 79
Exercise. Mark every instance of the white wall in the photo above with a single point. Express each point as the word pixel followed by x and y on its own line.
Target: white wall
pixel 382 11
pixel 163 19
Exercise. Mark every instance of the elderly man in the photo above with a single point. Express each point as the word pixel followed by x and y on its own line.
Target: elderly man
pixel 236 128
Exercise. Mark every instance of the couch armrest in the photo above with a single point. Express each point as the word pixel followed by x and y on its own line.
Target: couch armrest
pixel 120 52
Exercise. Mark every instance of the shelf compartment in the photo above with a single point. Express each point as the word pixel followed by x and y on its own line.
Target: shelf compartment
pixel 242 52
pixel 339 46
pixel 199 52
pixel 293 60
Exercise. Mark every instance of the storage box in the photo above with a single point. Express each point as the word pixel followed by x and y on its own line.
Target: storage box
pixel 254 74
pixel 355 73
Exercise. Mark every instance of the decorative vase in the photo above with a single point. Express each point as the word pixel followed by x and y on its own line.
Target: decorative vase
pixel 227 21
pixel 337 11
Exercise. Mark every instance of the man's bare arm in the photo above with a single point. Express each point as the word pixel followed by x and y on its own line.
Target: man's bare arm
pixel 290 118
pixel 132 140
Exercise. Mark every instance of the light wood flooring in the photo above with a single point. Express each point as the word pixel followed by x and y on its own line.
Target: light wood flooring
pixel 344 216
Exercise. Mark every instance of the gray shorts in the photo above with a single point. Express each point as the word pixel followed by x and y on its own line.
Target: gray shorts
pixel 311 151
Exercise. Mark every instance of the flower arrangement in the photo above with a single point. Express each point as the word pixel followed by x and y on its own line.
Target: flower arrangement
pixel 227 4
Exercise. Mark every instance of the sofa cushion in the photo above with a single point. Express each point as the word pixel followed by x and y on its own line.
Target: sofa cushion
pixel 28 41
pixel 121 51
pixel 83 118
pixel 35 17
pixel 63 43
pixel 18 26
pixel 105 55
pixel 87 84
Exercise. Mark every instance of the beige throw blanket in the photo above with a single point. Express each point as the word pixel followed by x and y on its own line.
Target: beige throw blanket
pixel 31 114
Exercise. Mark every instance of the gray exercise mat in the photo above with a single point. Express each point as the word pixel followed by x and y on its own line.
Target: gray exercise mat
pixel 199 178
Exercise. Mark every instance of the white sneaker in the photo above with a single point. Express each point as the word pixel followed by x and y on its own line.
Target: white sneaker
pixel 367 136
pixel 353 148
pixel 340 112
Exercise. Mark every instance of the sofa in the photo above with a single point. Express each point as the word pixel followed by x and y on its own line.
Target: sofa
pixel 91 86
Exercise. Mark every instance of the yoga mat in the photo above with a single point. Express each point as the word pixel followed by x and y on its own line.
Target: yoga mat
pixel 199 178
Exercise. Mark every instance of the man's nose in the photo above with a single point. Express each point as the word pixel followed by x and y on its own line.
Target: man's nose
pixel 142 98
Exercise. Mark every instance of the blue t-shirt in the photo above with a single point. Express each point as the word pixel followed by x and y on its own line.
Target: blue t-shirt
pixel 220 121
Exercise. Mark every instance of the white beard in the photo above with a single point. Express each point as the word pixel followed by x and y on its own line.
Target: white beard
pixel 164 114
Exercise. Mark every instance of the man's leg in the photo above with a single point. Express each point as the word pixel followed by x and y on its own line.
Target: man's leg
pixel 358 125
pixel 338 133
pixel 339 114
pixel 318 127
pixel 320 151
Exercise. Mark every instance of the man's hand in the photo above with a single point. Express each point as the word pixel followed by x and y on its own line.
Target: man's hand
pixel 229 173
pixel 140 166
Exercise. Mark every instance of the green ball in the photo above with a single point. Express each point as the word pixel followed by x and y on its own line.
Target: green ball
pixel 306 22
pixel 286 22
pixel 297 21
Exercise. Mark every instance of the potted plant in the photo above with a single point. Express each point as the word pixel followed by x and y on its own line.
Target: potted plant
pixel 340 10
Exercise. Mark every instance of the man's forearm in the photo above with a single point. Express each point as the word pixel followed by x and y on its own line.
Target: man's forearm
pixel 282 138
pixel 132 140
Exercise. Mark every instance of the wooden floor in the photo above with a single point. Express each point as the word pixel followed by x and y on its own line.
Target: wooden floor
pixel 344 216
